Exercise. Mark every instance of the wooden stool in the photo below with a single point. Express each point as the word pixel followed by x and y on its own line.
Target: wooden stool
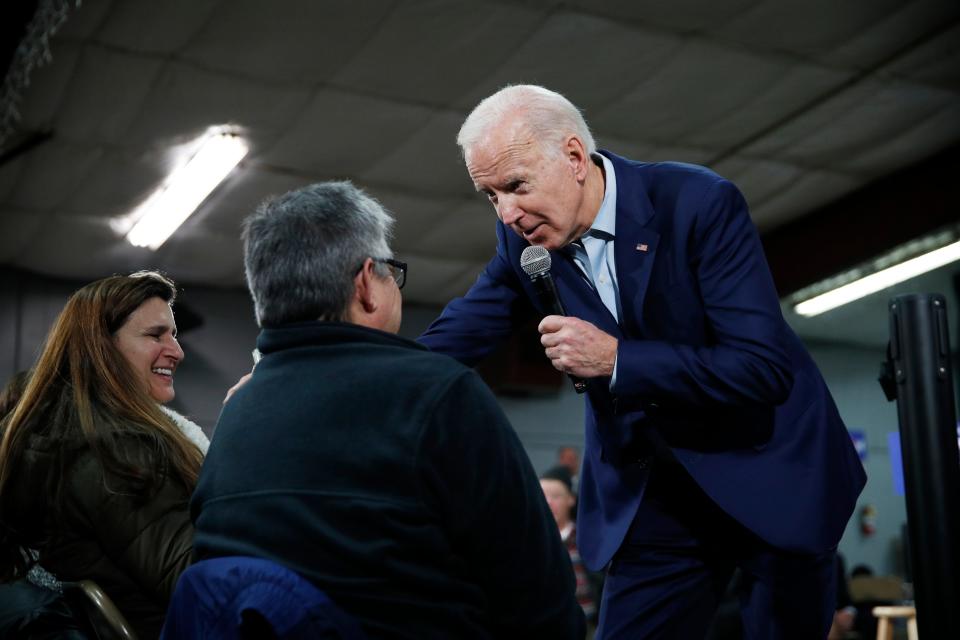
pixel 885 624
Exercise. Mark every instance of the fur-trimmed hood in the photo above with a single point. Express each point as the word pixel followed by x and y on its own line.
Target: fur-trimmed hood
pixel 189 428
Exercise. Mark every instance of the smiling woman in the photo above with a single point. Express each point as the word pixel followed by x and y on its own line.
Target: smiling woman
pixel 148 341
pixel 94 475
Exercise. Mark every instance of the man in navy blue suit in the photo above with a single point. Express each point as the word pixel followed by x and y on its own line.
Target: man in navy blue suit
pixel 712 441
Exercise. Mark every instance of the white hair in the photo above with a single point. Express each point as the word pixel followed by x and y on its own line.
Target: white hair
pixel 549 116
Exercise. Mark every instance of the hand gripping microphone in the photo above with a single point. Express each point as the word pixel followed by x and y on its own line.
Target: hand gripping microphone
pixel 535 262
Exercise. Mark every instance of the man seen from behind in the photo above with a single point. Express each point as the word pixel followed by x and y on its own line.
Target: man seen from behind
pixel 384 474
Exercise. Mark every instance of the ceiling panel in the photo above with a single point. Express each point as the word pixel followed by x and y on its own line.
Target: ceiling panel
pixel 805 27
pixel 454 234
pixel 936 62
pixel 148 26
pixel 239 196
pixel 117 181
pixel 434 281
pixel 678 15
pixel 679 153
pixel 697 85
pixel 81 247
pixel 810 191
pixel 908 146
pixel 777 98
pixel 457 284
pixel 432 51
pixel 212 258
pixel 903 28
pixel 626 147
pixel 428 161
pixel 83 21
pixel 628 56
pixel 51 174
pixel 9 179
pixel 49 85
pixel 185 101
pixel 343 133
pixel 17 232
pixel 415 215
pixel 760 181
pixel 300 41
pixel 105 95
pixel 868 112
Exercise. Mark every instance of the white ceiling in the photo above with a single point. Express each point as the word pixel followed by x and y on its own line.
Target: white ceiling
pixel 798 101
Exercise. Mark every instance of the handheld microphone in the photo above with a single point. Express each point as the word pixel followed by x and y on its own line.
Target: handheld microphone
pixel 535 262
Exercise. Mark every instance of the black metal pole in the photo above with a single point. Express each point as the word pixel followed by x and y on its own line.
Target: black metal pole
pixel 920 353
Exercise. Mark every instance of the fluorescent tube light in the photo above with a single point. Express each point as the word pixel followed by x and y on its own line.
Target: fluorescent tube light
pixel 185 189
pixel 879 280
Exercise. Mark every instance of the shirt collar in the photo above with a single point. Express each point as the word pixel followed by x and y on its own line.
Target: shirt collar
pixel 605 224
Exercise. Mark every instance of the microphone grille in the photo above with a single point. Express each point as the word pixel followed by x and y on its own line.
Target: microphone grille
pixel 535 260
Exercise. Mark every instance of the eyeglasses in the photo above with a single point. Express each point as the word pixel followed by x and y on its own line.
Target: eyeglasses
pixel 397 268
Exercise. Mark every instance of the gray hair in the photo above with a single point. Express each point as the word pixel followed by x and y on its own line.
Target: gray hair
pixel 549 116
pixel 302 251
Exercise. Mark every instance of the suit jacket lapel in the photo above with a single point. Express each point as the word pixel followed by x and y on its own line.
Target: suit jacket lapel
pixel 635 246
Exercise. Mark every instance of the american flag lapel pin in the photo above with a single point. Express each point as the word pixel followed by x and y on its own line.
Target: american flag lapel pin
pixel 642 247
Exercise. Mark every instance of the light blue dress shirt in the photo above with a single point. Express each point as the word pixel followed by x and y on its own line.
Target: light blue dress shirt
pixel 594 252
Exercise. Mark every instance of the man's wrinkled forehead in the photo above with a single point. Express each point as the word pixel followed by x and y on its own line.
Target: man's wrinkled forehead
pixel 507 130
pixel 497 155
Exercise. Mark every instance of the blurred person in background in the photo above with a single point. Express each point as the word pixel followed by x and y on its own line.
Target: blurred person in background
pixel 560 498
pixel 569 458
pixel 95 475
pixel 846 614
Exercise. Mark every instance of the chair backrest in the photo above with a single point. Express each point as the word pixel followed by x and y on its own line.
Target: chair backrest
pixel 239 597
pixel 105 619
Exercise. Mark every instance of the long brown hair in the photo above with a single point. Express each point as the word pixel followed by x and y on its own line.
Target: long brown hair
pixel 83 391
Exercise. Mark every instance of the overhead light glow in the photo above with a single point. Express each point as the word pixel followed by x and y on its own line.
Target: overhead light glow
pixel 879 280
pixel 185 189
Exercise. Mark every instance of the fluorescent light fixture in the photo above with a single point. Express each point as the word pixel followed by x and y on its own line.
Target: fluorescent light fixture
pixel 879 280
pixel 185 189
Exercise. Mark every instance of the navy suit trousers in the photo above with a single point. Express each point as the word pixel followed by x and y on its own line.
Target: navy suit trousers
pixel 667 578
